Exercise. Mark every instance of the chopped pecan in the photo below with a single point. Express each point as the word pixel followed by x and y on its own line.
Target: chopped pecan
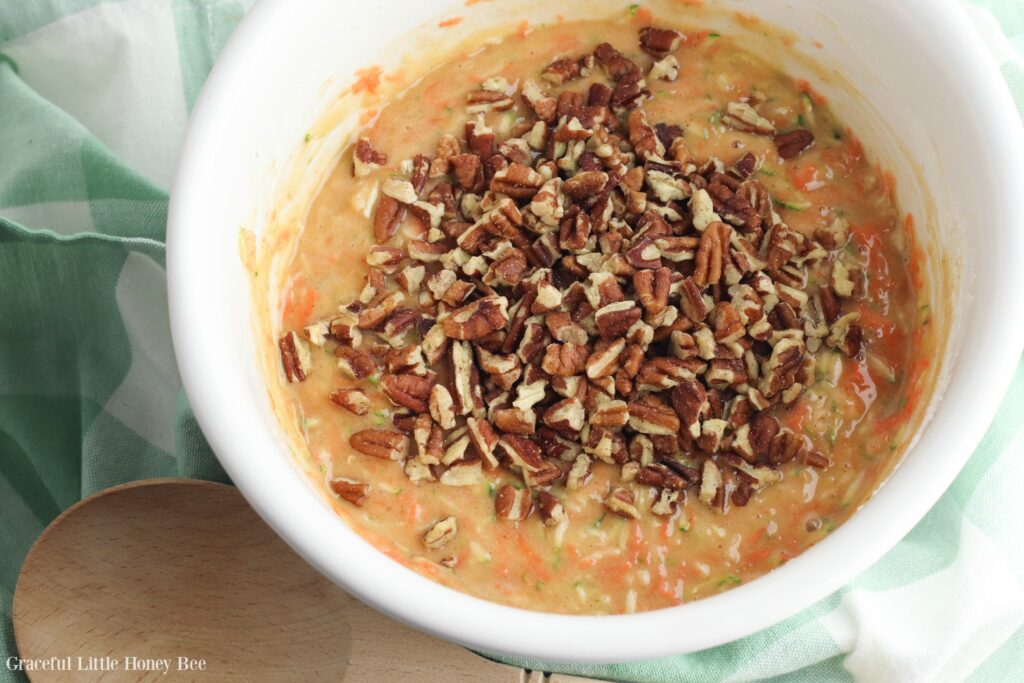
pixel 742 116
pixel 660 476
pixel 351 490
pixel 441 533
pixel 484 440
pixel 551 510
pixel 692 301
pixel 513 504
pixel 604 360
pixel 652 416
pixel 353 400
pixel 791 143
pixel 563 329
pixel 621 501
pixel 610 415
pixel 522 452
pixel 469 171
pixel 642 136
pixel 564 360
pixel 561 70
pixel 380 443
pixel 658 42
pixel 515 420
pixel 543 106
pixel 566 416
pixel 411 391
pixel 712 253
pixel 652 289
pixel 355 363
pixel 477 319
pixel 585 184
pixel 517 181
pixel 295 357
pixel 365 159
pixel 615 319
pixel 386 218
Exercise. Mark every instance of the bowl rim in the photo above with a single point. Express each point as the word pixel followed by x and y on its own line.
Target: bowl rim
pixel 282 497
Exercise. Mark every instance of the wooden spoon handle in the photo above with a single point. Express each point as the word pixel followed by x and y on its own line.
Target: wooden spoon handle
pixel 167 569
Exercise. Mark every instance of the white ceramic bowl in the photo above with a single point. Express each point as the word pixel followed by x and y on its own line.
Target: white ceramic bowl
pixel 932 107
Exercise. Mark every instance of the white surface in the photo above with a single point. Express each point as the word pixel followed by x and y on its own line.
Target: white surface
pixel 936 86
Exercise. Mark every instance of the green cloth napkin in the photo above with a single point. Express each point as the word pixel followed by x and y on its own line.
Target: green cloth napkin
pixel 94 97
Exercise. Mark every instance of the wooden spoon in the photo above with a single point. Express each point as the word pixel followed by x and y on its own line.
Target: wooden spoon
pixel 183 575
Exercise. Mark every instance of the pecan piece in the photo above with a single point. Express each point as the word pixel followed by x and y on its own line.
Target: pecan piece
pixel 354 401
pixel 712 253
pixel 566 416
pixel 386 218
pixel 604 361
pixel 365 159
pixel 564 360
pixel 585 184
pixel 355 363
pixel 349 489
pixel 295 357
pixel 469 171
pixel 522 452
pixel 658 42
pixel 411 391
pixel 615 319
pixel 792 143
pixel 652 289
pixel 513 504
pixel 642 136
pixel 441 533
pixel 551 510
pixel 742 116
pixel 477 319
pixel 561 70
pixel 621 502
pixel 517 181
pixel 652 416
pixel 660 476
pixel 380 443
pixel 484 440
pixel 515 420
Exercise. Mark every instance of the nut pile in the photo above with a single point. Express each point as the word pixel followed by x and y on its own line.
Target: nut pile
pixel 585 290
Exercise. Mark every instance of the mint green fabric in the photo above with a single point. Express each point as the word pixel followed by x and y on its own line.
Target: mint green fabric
pixel 94 96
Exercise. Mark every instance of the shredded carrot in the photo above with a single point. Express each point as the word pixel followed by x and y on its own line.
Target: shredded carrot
pixel 917 255
pixel 854 150
pixel 450 22
pixel 798 416
pixel 816 97
pixel 818 44
pixel 696 38
pixel 803 176
pixel 299 303
pixel 470 3
pixel 747 19
pixel 535 561
pixel 759 555
pixel 637 542
pixel 566 41
pixel 368 79
pixel 642 17
pixel 367 116
pixel 523 29
pixel 873 321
